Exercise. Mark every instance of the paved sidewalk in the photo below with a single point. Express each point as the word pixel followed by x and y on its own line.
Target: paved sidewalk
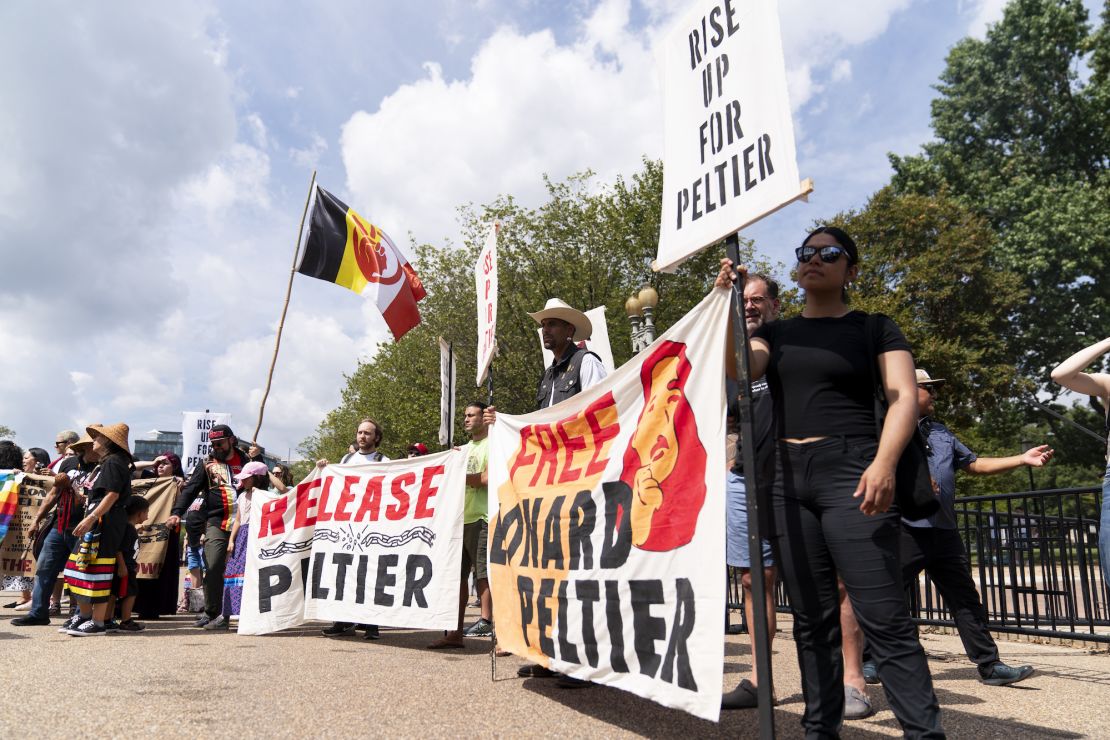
pixel 173 681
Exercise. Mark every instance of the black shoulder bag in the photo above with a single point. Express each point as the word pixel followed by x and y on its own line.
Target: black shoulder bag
pixel 913 486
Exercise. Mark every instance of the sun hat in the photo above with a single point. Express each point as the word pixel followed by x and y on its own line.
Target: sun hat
pixel 81 444
pixel 251 469
pixel 556 309
pixel 924 379
pixel 115 432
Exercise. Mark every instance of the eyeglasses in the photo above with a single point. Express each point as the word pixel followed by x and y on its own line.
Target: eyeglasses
pixel 931 390
pixel 829 254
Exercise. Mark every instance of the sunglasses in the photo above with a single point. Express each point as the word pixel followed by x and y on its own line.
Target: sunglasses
pixel 931 390
pixel 829 254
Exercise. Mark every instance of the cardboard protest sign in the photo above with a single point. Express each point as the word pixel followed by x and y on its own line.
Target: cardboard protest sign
pixel 19 500
pixel 728 145
pixel 606 550
pixel 376 543
pixel 153 534
pixel 485 286
pixel 194 436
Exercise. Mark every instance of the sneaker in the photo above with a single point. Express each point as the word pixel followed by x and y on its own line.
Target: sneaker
pixel 338 628
pixel 111 625
pixel 71 623
pixel 856 704
pixel 371 632
pixel 1001 674
pixel 870 672
pixel 31 621
pixel 219 623
pixel 202 620
pixel 55 610
pixel 482 628
pixel 86 629
pixel 130 625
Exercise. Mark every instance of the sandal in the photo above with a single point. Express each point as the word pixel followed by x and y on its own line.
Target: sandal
pixel 446 643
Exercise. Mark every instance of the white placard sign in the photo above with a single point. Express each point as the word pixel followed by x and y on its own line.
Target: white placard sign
pixel 728 151
pixel 446 390
pixel 598 343
pixel 194 436
pixel 485 285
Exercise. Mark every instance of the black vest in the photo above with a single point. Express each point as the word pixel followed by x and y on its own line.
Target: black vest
pixel 564 375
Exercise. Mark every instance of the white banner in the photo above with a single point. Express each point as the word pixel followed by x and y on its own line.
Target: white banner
pixel 446 391
pixel 598 343
pixel 485 286
pixel 194 436
pixel 607 548
pixel 728 146
pixel 377 543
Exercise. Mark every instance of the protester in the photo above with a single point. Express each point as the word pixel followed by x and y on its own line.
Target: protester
pixel 34 460
pixel 158 596
pixel 475 530
pixel 62 444
pixel 213 483
pixel 834 485
pixel 368 436
pixel 100 534
pixel 1069 374
pixel 417 449
pixel 282 472
pixel 126 583
pixel 254 475
pixel 761 306
pixel 573 369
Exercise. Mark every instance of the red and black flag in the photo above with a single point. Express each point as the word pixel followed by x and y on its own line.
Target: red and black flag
pixel 344 248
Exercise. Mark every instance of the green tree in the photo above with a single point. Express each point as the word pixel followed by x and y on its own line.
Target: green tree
pixel 6 432
pixel 1023 139
pixel 589 246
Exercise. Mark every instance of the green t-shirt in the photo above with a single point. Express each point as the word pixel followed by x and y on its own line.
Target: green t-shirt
pixel 475 505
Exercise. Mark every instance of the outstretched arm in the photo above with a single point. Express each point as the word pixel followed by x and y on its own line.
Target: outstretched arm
pixel 1069 373
pixel 1034 457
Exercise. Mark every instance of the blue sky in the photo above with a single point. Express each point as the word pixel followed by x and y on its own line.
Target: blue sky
pixel 157 157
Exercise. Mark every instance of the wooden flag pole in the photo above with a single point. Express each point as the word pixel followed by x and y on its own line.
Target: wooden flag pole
pixel 758 631
pixel 284 308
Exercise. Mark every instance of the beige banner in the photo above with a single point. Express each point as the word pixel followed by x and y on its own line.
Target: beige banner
pixel 153 534
pixel 16 556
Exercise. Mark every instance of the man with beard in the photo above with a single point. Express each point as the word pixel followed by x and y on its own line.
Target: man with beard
pixel 214 482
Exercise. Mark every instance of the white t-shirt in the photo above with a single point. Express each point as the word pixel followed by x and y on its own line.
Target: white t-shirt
pixel 359 458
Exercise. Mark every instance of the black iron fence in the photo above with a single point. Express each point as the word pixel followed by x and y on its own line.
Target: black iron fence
pixel 1034 558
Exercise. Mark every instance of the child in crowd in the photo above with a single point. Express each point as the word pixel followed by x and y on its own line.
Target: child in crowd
pixel 127 567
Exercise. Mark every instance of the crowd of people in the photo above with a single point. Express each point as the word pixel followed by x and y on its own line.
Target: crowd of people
pixel 836 400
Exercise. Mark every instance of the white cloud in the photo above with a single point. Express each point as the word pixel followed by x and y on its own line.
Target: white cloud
pixel 310 155
pixel 981 13
pixel 239 177
pixel 841 71
pixel 258 131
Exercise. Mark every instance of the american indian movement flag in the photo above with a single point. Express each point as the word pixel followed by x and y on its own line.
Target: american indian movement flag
pixel 344 248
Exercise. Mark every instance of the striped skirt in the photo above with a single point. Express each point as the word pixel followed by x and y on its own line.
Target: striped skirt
pixel 92 564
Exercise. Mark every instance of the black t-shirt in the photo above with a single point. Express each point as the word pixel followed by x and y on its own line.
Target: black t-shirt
pixel 129 548
pixel 762 424
pixel 67 463
pixel 114 475
pixel 820 373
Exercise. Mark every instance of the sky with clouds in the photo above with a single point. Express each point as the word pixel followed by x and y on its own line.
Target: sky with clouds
pixel 156 159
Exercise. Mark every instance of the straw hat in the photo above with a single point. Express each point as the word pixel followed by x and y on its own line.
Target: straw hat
pixel 82 444
pixel 115 432
pixel 556 309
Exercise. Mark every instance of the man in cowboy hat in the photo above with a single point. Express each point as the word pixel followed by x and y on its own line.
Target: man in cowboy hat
pixel 573 370
pixel 934 544
pixel 59 541
pixel 214 482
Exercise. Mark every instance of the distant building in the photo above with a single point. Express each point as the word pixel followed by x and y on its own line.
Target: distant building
pixel 148 449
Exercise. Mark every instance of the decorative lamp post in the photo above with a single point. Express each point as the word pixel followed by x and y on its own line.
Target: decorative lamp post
pixel 641 309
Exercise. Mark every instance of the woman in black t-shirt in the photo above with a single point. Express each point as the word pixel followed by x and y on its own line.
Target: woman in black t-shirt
pixel 99 534
pixel 834 486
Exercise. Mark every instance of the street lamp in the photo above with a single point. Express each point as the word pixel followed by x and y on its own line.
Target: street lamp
pixel 641 310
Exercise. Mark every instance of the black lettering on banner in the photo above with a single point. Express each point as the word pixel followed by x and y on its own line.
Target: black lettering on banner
pixel 273 580
pixel 647 629
pixel 385 579
pixel 341 560
pixel 360 579
pixel 499 554
pixel 543 616
pixel 583 515
pixel 553 535
pixel 531 508
pixel 616 541
pixel 567 650
pixel 681 629
pixel 765 156
pixel 304 575
pixel 524 590
pixel 414 584
pixel 616 626
pixel 318 591
pixel 588 594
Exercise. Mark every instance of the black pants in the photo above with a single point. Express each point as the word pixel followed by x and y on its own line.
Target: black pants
pixel 215 561
pixel 941 554
pixel 820 532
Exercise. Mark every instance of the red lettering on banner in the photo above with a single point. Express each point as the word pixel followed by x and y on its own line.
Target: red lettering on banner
pixel 549 454
pixel 400 509
pixel 346 498
pixel 523 458
pixel 603 432
pixel 322 514
pixel 371 500
pixel 273 516
pixel 571 444
pixel 428 489
pixel 306 505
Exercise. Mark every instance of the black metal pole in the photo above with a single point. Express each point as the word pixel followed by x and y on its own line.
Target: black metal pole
pixel 761 653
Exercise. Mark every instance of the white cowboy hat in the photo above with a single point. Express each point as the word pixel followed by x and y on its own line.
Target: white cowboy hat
pixel 556 309
pixel 924 379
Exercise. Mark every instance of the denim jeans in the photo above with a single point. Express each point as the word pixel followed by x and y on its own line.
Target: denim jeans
pixel 1104 529
pixel 51 562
